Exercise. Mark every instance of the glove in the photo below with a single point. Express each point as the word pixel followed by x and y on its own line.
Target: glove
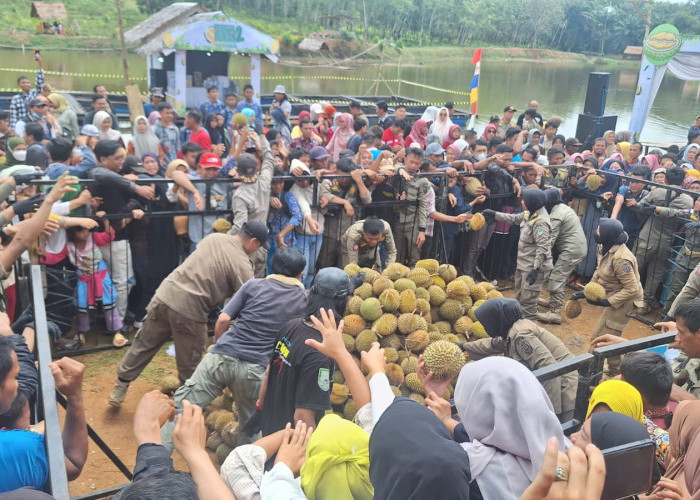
pixel 646 208
pixel 30 205
pixel 692 225
pixel 489 215
pixel 600 302
pixel 254 424
pixel 532 276
pixel 26 178
pixel 578 295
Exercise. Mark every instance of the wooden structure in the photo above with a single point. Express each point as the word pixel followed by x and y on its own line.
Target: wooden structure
pixel 633 52
pixel 49 11
pixel 313 44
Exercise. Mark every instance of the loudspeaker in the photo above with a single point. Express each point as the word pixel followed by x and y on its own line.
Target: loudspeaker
pixel 589 128
pixel 596 94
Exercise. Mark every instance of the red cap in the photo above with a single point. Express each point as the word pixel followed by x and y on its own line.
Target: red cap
pixel 210 160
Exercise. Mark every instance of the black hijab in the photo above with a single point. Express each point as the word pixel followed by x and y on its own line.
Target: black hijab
pixel 534 199
pixel 413 456
pixel 553 198
pixel 611 233
pixel 498 315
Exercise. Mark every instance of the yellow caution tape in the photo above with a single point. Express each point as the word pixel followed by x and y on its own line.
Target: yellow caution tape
pixel 65 73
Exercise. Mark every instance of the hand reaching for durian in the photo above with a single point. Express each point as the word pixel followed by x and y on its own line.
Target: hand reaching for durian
pixel 430 383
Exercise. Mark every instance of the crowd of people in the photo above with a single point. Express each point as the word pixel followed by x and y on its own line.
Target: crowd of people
pixel 246 220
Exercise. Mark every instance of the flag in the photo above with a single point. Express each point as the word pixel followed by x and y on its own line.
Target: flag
pixel 474 86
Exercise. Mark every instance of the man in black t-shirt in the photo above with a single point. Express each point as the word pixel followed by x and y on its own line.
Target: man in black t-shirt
pixel 299 379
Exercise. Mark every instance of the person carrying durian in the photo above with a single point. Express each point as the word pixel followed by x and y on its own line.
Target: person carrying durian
pixel 534 247
pixel 618 276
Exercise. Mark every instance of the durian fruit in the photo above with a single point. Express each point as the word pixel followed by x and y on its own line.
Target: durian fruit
pixel 478 293
pixel 363 341
pixel 572 309
pixel 213 441
pixel 404 391
pixel 472 314
pixel 467 301
pixel 593 182
pixel 417 341
pixel 437 280
pixel 389 300
pixel 594 292
pixel 370 275
pixel 223 419
pixel 430 265
pixel 394 373
pixel 420 277
pixel 364 291
pixel 462 338
pixel 443 327
pixel 391 355
pixel 354 324
pixel 444 359
pixel 494 294
pixel 457 290
pixel 472 185
pixel 349 342
pixel 339 394
pixel 462 325
pixel 409 323
pixel 404 284
pixel 479 302
pixel 451 310
pixel 410 365
pixel 422 293
pixel 477 331
pixel 477 222
pixel 384 326
pixel 229 434
pixel 338 377
pixel 467 279
pixel 222 451
pixel 407 301
pixel 423 307
pixel 451 337
pixel 353 306
pixel 351 269
pixel 371 309
pixel 437 295
pixel 211 419
pixel 487 285
pixel 395 271
pixel 169 384
pixel 218 403
pixel 350 410
pixel 403 356
pixel 381 284
pixel 392 341
pixel 436 336
pixel 447 272
pixel 414 396
pixel 413 383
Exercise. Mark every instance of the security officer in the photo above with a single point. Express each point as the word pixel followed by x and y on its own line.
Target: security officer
pixel 342 195
pixel 251 200
pixel 360 244
pixel 412 217
pixel 617 273
pixel 690 291
pixel 567 235
pixel 534 247
pixel 524 341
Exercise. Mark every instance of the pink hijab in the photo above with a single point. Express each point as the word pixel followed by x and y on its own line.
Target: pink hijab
pixel 341 136
pixel 449 139
pixel 153 117
pixel 652 162
pixel 419 133
pixel 575 157
pixel 304 114
pixel 490 126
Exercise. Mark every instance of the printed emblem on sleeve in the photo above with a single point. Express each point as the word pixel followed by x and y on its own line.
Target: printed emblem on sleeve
pixel 626 268
pixel 324 379
pixel 524 346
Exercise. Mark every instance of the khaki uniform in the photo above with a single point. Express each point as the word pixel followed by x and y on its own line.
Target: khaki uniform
pixel 690 291
pixel 686 374
pixel 252 202
pixel 568 237
pixel 535 348
pixel 534 252
pixel 354 249
pixel 617 273
pixel 654 240
pixel 337 221
pixel 412 218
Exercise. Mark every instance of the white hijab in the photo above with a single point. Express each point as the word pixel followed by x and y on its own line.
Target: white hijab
pixel 112 134
pixel 146 142
pixel 441 128
pixel 430 114
pixel 509 419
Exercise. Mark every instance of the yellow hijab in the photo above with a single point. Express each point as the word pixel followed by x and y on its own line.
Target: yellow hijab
pixel 624 150
pixel 620 397
pixel 59 103
pixel 337 462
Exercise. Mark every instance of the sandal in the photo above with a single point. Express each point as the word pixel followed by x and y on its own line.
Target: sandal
pixel 119 340
pixel 70 345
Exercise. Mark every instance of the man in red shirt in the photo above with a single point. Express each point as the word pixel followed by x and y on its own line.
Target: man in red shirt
pixel 393 136
pixel 197 134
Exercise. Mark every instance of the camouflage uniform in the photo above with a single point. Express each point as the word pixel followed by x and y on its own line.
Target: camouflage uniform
pixel 354 249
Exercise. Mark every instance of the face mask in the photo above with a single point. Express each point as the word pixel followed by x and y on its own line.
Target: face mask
pixel 481 156
pixel 20 155
pixel 37 115
pixel 596 236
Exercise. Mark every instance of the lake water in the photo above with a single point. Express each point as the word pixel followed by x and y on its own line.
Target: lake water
pixel 560 87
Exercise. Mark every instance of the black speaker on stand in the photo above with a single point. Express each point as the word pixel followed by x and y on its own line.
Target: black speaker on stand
pixel 589 128
pixel 593 122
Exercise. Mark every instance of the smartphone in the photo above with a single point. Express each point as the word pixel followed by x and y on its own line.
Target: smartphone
pixel 628 469
pixel 37 54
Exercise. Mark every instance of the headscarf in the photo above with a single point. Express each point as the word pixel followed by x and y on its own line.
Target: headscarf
pixel 110 133
pixel 652 162
pixel 430 114
pixel 458 151
pixel 153 117
pixel 280 119
pixel 146 142
pixel 173 165
pixel 490 126
pixel 341 136
pixel 303 115
pixel 692 467
pixel 611 233
pixel 329 111
pixel 419 133
pixel 413 456
pixel 619 396
pixel 611 181
pixel 509 419
pixel 217 134
pixel 534 199
pixel 449 139
pixel 498 315
pixel 441 128
pixel 158 173
pixel 684 426
pixel 609 148
pixel 337 462
pixel 624 150
pixel 617 156
pixel 575 157
pixel 58 102
pixel 553 199
pixel 12 143
pixel 250 114
pixel 687 150
pixel 461 144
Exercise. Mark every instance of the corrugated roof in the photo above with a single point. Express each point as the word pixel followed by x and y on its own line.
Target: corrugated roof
pixel 313 44
pixel 49 10
pixel 164 19
pixel 634 50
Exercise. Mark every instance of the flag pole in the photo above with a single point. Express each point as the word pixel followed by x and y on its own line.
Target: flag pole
pixel 474 87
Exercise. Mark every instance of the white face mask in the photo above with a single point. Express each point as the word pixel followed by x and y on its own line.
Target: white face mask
pixel 20 155
pixel 481 156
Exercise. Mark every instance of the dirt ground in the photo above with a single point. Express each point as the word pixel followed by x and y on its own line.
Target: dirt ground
pixel 114 426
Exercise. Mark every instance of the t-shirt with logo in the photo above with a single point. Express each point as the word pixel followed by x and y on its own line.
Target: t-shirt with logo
pixel 300 377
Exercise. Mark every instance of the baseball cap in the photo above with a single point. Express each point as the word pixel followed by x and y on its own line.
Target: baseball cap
pixel 347 165
pixel 210 160
pixel 434 149
pixel 90 131
pixel 318 153
pixel 494 118
pixel 509 108
pixel 334 282
pixel 346 153
pixel 258 230
pixel 279 89
pixel 572 141
pixel 35 102
pixel 157 92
